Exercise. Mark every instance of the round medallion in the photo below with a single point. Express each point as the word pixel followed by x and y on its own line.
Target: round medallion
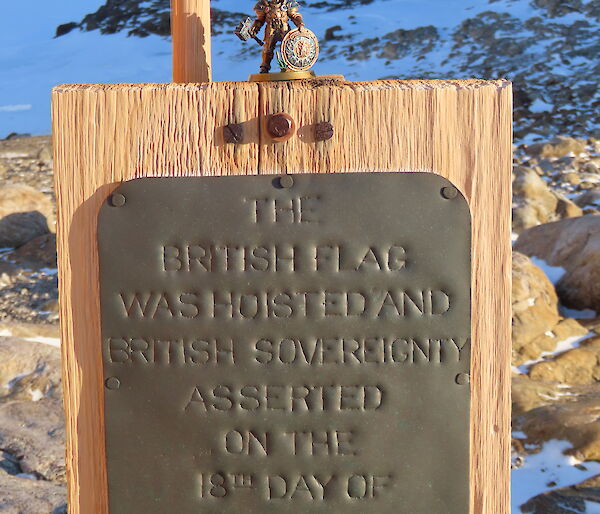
pixel 300 49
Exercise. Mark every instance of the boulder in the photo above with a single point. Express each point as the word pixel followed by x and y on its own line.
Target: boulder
pixel 29 370
pixel 589 199
pixel 39 252
pixel 557 147
pixel 535 203
pixel 545 412
pixel 573 244
pixel 23 495
pixel 24 215
pixel 536 323
pixel 578 366
pixel 34 433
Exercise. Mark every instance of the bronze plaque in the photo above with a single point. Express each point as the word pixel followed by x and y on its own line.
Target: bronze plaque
pixel 287 344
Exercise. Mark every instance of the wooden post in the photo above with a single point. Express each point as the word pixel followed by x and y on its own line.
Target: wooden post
pixel 106 134
pixel 190 21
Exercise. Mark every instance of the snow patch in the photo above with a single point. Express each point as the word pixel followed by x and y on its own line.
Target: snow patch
pixel 50 341
pixel 550 465
pixel 554 273
pixel 36 395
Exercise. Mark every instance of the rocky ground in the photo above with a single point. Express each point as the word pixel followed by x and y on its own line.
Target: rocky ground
pixel 556 330
pixel 32 468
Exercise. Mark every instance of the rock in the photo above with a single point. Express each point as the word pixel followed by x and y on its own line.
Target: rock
pixel 573 244
pixel 22 495
pixel 24 215
pixel 45 155
pixel 39 252
pixel 578 366
pixel 589 199
pixel 29 370
pixel 558 147
pixel 565 208
pixel 591 167
pixel 536 323
pixel 535 203
pixel 34 432
pixel 573 178
pixel 15 135
pixel 568 500
pixel 545 412
pixel 534 307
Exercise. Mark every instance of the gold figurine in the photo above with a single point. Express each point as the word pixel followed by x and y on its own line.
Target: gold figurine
pixel 299 46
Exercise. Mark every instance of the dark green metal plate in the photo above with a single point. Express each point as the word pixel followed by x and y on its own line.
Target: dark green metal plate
pixel 287 345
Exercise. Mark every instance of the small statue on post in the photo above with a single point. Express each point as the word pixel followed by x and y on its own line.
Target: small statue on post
pixel 299 46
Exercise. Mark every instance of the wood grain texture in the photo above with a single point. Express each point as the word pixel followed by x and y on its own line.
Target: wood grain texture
pixel 458 129
pixel 190 28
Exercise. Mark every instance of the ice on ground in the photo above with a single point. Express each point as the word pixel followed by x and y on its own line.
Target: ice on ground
pixel 554 273
pixel 549 466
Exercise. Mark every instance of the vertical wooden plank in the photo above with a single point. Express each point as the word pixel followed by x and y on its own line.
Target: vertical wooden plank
pixel 104 135
pixel 107 134
pixel 461 130
pixel 190 26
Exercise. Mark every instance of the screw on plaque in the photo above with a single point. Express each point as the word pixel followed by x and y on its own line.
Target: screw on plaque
pixel 449 192
pixel 323 131
pixel 117 200
pixel 233 133
pixel 112 383
pixel 286 181
pixel 463 379
pixel 281 126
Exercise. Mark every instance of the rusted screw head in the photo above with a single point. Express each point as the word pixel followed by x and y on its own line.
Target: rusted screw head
pixel 323 131
pixel 463 379
pixel 233 133
pixel 112 383
pixel 281 126
pixel 117 200
pixel 449 193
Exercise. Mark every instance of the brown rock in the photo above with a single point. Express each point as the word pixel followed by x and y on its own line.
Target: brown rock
pixel 20 495
pixel 578 366
pixel 558 147
pixel 530 394
pixel 565 208
pixel 34 432
pixel 24 215
pixel 536 323
pixel 573 244
pixel 40 251
pixel 564 413
pixel 28 370
pixel 535 203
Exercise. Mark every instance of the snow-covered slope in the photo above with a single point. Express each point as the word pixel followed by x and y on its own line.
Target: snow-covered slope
pixel 549 48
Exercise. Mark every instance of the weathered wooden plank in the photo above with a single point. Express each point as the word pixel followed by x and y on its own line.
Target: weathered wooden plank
pixel 459 129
